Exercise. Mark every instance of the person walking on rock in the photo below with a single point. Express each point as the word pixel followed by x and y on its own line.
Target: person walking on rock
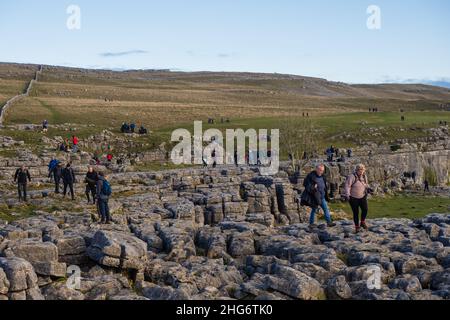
pixel 315 194
pixel 426 186
pixel 68 176
pixel 355 192
pixel 22 177
pixel 52 165
pixel 91 184
pixel 44 126
pixel 57 173
pixel 103 193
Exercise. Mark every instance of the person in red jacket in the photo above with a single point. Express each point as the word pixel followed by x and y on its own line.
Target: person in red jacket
pixel 75 144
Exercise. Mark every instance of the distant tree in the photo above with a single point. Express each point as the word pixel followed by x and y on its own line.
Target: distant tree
pixel 431 176
pixel 298 138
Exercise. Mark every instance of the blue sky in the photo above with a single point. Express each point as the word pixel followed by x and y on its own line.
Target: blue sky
pixel 319 38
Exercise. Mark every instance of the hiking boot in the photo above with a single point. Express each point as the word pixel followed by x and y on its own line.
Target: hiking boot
pixel 312 226
pixel 364 225
pixel 331 224
pixel 357 229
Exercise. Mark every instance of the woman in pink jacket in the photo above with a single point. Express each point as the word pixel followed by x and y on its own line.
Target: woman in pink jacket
pixel 355 192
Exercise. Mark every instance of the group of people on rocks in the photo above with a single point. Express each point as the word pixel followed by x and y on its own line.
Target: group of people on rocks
pixel 109 158
pixel 67 146
pixel 333 154
pixel 97 189
pixel 131 128
pixel 356 190
pixel 252 158
pixel 65 174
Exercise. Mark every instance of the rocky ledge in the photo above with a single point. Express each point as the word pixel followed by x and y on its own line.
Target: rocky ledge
pixel 169 253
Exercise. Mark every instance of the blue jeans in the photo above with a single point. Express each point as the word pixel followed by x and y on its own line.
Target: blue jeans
pixel 325 209
pixel 103 209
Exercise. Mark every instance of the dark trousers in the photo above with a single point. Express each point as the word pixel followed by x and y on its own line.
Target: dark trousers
pixel 57 183
pixel 90 189
pixel 103 209
pixel 355 204
pixel 22 191
pixel 70 185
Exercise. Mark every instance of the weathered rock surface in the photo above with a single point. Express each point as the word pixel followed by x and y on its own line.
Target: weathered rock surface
pixel 218 234
pixel 118 249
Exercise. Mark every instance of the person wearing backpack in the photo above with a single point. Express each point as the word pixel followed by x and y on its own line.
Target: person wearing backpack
pixel 356 190
pixel 68 180
pixel 22 176
pixel 103 193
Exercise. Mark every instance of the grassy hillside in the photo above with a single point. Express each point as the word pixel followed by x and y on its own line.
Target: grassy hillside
pixel 161 99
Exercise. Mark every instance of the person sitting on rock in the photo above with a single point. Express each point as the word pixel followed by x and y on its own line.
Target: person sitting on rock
pixel 315 194
pixel 123 127
pixel 66 145
pixel 142 130
pixel 69 179
pixel 132 127
pixel 96 160
pixel 22 176
pixel 355 192
pixel 91 184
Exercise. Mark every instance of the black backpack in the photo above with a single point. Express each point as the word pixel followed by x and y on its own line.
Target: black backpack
pixel 306 199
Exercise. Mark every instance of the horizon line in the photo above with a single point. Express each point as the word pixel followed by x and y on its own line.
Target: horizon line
pixel 426 82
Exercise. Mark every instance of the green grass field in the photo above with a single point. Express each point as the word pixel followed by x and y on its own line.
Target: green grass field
pixel 401 206
pixel 341 130
pixel 334 128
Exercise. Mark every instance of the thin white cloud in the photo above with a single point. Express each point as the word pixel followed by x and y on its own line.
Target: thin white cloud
pixel 121 53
